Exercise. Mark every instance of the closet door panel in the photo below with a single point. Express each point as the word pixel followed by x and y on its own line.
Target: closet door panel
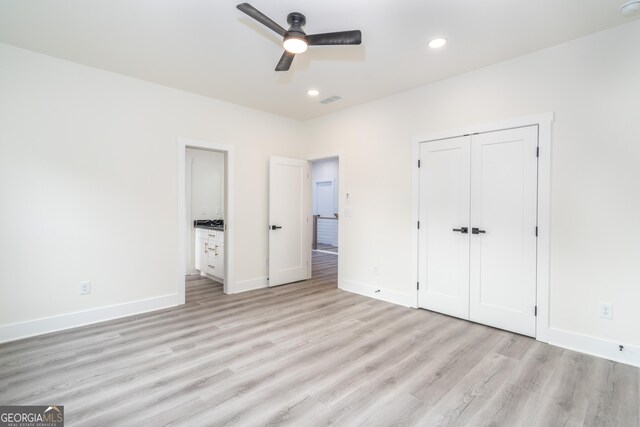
pixel 503 210
pixel 444 206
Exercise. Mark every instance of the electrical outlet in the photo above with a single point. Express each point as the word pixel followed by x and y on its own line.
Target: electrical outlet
pixel 85 288
pixel 606 311
pixel 375 270
pixel 203 211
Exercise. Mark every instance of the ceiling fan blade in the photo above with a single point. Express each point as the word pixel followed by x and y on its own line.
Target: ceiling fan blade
pixel 285 61
pixel 261 18
pixel 341 37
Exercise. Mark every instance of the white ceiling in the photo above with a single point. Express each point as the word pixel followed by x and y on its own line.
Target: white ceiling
pixel 210 48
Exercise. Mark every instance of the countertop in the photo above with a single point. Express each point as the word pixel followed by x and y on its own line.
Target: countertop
pixel 209 227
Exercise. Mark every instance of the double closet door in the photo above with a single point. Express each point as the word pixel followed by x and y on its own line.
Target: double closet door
pixel 477 237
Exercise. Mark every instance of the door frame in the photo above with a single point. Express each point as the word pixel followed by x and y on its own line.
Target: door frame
pixel 544 122
pixel 341 207
pixel 229 213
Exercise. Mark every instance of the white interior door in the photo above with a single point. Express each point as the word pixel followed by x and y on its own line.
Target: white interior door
pixel 503 212
pixel 444 208
pixel 288 221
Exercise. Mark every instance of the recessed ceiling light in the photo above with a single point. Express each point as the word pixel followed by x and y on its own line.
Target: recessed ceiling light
pixel 313 92
pixel 437 43
pixel 630 8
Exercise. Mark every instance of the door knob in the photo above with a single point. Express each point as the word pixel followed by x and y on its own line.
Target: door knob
pixel 275 227
pixel 463 230
pixel 476 230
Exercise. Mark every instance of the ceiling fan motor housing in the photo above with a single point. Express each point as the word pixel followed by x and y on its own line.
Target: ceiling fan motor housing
pixel 296 20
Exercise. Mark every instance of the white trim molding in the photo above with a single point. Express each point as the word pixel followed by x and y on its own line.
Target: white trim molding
pixel 544 123
pixel 229 214
pixel 376 292
pixel 30 328
pixel 593 346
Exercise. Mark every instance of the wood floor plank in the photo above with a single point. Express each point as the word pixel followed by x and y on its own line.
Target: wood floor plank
pixel 310 354
pixel 471 392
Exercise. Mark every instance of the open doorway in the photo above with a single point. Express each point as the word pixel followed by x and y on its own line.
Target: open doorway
pixel 205 209
pixel 205 206
pixel 325 215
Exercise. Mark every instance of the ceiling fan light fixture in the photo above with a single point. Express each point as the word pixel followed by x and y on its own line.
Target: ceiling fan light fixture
pixel 294 44
pixel 437 43
pixel 295 40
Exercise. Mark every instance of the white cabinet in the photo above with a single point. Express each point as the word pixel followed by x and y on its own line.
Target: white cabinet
pixel 210 252
pixel 200 249
pixel 216 256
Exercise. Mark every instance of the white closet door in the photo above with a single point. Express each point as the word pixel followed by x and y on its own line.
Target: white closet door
pixel 503 209
pixel 444 206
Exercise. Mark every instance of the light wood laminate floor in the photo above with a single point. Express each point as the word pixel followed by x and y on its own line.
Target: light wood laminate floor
pixel 309 354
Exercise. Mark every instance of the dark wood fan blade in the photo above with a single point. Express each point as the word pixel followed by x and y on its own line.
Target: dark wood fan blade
pixel 285 61
pixel 341 37
pixel 261 18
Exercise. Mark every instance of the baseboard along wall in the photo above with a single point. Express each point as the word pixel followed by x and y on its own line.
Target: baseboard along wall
pixel 30 328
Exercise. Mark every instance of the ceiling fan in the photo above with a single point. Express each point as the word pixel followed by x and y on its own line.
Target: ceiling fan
pixel 295 40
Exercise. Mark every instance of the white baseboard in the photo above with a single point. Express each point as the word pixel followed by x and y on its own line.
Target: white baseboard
pixel 250 285
pixel 29 328
pixel 594 346
pixel 387 295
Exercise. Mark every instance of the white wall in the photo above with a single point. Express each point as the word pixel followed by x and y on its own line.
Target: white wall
pixel 88 184
pixel 326 170
pixel 593 86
